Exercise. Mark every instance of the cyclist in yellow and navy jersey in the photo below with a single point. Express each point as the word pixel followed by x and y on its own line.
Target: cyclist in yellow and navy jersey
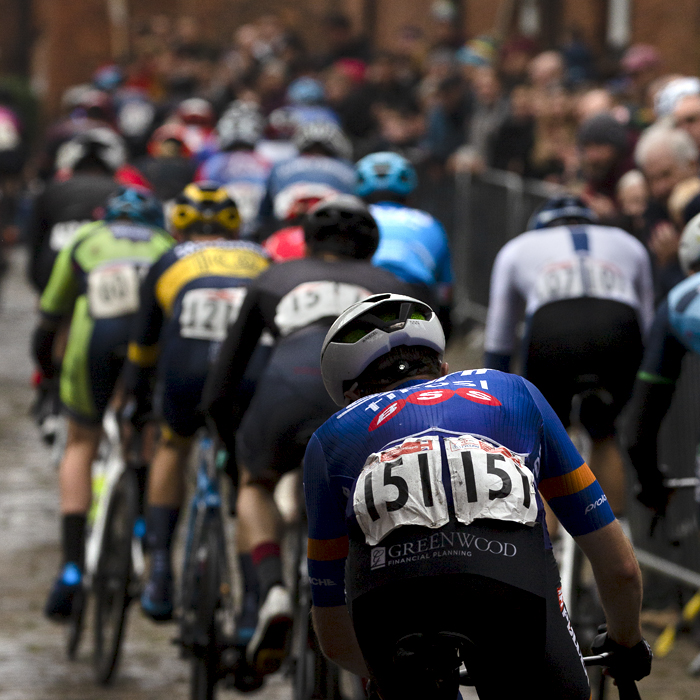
pixel 95 280
pixel 188 300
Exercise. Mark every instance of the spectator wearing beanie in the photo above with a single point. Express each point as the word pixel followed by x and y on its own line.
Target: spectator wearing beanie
pixel 605 157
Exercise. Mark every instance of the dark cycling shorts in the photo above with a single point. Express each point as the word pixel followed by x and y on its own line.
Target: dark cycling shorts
pixel 93 361
pixel 182 372
pixel 585 344
pixel 523 647
pixel 289 405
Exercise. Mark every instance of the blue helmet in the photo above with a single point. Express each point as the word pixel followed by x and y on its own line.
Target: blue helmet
pixel 554 210
pixel 136 204
pixel 305 91
pixel 385 172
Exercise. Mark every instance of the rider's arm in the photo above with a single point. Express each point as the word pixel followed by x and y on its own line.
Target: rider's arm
pixel 505 310
pixel 337 638
pixel 651 398
pixel 143 350
pixel 56 302
pixel 618 579
pixel 645 290
pixel 327 552
pixel 219 398
pixel 577 500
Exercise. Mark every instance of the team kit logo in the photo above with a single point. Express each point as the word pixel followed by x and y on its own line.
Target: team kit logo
pixel 438 545
pixel 430 397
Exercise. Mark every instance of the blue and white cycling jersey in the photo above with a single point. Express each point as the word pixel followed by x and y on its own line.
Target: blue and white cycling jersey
pixel 412 244
pixel 334 172
pixel 475 445
pixel 684 312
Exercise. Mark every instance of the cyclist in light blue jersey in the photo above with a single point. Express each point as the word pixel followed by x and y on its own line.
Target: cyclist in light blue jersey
pixel 412 244
pixel 675 331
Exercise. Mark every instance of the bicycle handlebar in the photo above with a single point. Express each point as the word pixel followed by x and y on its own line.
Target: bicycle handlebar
pixel 626 687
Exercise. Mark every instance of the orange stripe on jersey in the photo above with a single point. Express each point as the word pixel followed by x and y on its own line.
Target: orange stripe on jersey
pixel 567 484
pixel 328 550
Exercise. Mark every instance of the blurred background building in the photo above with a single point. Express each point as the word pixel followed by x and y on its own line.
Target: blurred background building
pixel 59 42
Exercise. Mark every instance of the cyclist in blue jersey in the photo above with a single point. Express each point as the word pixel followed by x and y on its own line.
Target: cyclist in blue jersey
pixel 324 158
pixel 427 539
pixel 412 244
pixel 675 331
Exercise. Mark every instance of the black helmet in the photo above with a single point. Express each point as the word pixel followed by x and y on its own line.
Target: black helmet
pixel 341 225
pixel 561 208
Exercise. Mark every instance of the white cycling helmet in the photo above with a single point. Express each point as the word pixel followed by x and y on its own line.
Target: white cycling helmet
pixel 371 328
pixel 689 246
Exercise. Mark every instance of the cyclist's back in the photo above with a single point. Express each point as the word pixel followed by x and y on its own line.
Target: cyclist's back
pixel 424 505
pixel 586 294
pixel 412 244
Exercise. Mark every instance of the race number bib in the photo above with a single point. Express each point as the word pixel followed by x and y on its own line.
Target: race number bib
pixel 63 232
pixel 401 486
pixel 489 482
pixel 113 290
pixel 312 301
pixel 582 277
pixel 247 196
pixel 207 313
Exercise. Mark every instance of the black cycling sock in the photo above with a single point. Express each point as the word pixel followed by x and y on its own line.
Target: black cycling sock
pixel 250 578
pixel 161 522
pixel 73 538
pixel 268 567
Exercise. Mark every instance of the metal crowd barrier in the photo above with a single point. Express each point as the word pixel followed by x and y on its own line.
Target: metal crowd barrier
pixel 481 213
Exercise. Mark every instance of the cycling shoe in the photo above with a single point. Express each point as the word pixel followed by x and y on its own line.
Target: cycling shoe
pixel 59 604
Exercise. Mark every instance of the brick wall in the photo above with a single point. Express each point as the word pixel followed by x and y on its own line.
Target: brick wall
pixel 73 36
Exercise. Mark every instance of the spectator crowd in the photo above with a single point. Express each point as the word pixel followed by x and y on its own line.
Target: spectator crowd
pixel 623 134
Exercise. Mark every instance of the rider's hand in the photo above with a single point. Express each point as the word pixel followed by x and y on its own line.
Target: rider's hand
pixel 655 497
pixel 626 662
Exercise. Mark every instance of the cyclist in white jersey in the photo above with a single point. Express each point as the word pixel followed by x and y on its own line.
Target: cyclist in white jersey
pixel 586 294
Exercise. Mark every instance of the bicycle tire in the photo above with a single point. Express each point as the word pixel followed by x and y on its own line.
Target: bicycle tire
pixel 113 577
pixel 206 596
pixel 76 625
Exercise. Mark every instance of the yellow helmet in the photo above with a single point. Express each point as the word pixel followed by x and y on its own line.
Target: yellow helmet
pixel 205 207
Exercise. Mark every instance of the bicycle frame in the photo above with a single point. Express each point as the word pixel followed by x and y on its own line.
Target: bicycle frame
pixel 108 468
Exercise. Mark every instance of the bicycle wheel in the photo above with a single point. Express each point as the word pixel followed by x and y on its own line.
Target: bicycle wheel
pixel 205 597
pixel 76 625
pixel 113 577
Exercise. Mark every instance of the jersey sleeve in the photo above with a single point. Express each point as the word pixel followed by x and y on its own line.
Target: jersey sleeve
pixel 443 273
pixel 565 480
pixel 221 390
pixel 505 305
pixel 145 332
pixel 328 538
pixel 645 290
pixel 63 287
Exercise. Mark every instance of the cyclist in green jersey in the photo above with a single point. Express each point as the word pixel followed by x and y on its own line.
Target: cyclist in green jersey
pixel 96 278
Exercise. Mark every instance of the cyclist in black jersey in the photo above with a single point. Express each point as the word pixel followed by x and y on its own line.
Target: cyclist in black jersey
pixel 296 302
pixel 87 164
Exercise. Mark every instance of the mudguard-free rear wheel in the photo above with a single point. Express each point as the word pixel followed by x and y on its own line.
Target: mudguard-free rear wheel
pixel 113 577
pixel 205 596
